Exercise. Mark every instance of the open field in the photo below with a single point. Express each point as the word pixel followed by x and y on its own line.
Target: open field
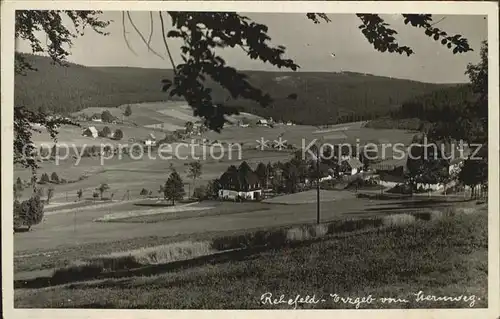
pixel 75 227
pixel 444 257
pixel 133 175
pixel 158 117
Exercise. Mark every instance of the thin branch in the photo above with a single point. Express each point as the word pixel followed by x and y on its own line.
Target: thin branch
pixel 142 37
pixel 150 28
pixel 165 42
pixel 438 21
pixel 125 34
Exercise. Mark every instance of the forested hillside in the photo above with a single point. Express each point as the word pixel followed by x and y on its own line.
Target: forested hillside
pixel 437 106
pixel 302 97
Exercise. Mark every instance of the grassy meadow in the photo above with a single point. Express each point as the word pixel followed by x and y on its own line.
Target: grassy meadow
pixel 445 255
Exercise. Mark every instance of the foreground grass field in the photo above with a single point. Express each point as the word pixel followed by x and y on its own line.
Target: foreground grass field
pixel 443 257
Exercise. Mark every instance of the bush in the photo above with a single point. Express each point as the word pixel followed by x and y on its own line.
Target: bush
pixel 342 226
pixel 105 132
pixel 118 134
pixel 55 178
pixel 200 193
pixel 44 179
pixel 144 192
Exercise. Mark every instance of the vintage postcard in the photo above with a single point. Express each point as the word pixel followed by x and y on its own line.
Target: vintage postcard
pixel 305 157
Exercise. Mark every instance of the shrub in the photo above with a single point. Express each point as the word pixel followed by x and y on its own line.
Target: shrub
pixel 44 179
pixel 102 188
pixel 144 192
pixel 76 272
pixel 54 177
pixel 128 111
pixel 200 193
pixel 105 132
pixel 351 225
pixel 118 135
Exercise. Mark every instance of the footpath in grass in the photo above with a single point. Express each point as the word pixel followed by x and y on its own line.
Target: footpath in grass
pixel 444 257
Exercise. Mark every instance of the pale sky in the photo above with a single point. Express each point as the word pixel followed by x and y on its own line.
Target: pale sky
pixel 309 44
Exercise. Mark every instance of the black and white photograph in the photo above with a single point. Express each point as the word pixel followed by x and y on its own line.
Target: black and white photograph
pixel 250 156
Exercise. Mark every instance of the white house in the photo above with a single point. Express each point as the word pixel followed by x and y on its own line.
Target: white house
pixel 351 166
pixel 90 132
pixel 262 122
pixel 241 182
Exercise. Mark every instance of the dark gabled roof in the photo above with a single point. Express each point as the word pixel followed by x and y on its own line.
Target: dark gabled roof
pixel 240 178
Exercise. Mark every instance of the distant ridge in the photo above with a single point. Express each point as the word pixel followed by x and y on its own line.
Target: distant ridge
pixel 303 97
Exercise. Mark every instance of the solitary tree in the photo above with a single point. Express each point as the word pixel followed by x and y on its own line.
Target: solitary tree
pixel 118 135
pixel 174 188
pixel 102 189
pixel 194 171
pixel 144 192
pixel 189 127
pixel 105 132
pixel 44 179
pixel 106 116
pixel 79 193
pixel 32 211
pixel 55 178
pixel 50 193
pixel 128 111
